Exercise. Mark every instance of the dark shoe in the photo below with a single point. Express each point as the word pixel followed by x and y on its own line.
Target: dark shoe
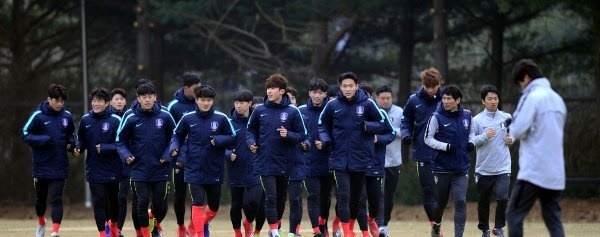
pixel 436 230
pixel 318 234
pixel 498 232
pixel 486 233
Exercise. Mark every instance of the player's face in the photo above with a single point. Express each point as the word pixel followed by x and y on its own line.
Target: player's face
pixel 99 105
pixel 450 104
pixel 242 107
pixel 431 91
pixel 56 103
pixel 146 101
pixel 118 102
pixel 317 97
pixel 384 99
pixel 275 94
pixel 204 104
pixel 348 88
pixel 491 101
pixel 188 91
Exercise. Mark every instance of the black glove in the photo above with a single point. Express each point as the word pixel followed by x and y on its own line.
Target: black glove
pixel 406 141
pixel 470 147
pixel 450 148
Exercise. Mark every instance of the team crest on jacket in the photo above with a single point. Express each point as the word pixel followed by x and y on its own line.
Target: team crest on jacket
pixel 360 110
pixel 159 123
pixel 105 126
pixel 283 116
pixel 65 122
pixel 466 123
pixel 214 125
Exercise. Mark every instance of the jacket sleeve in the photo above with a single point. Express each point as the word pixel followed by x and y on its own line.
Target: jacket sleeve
pixel 179 134
pixel 432 127
pixel 388 135
pixel 111 148
pixel 123 140
pixel 81 140
pixel 477 135
pixel 170 123
pixel 71 133
pixel 325 124
pixel 407 122
pixel 375 122
pixel 228 137
pixel 252 129
pixel 298 133
pixel 29 136
pixel 523 118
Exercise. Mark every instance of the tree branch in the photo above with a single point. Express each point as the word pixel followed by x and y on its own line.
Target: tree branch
pixel 280 25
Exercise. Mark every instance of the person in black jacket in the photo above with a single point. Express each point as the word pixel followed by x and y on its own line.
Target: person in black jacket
pixel 103 168
pixel 274 130
pixel 143 144
pixel 49 132
pixel 118 103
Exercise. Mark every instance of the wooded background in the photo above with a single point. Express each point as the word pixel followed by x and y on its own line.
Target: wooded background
pixel 236 44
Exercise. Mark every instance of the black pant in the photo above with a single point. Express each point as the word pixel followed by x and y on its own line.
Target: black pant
pixel 247 199
pixel 295 194
pixel 427 186
pixel 275 188
pixel 523 197
pixel 55 187
pixel 446 183
pixel 348 183
pixel 212 193
pixel 319 197
pixel 389 192
pixel 180 194
pixel 371 194
pixel 104 194
pixel 123 193
pixel 488 185
pixel 155 190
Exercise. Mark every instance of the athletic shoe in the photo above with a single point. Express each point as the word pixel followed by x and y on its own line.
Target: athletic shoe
pixel 373 229
pixel 435 230
pixel 486 233
pixel 54 234
pixel 156 233
pixel 271 234
pixel 338 233
pixel 383 231
pixel 41 230
pixel 498 232
pixel 318 234
pixel 181 231
pixel 247 228
pixel 206 230
pixel 291 235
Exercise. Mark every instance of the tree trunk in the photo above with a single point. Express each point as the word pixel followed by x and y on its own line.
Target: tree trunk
pixel 440 45
pixel 497 35
pixel 156 72
pixel 596 32
pixel 143 40
pixel 407 47
pixel 320 55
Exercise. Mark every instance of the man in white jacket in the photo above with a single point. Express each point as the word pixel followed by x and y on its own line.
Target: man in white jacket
pixel 492 167
pixel 538 123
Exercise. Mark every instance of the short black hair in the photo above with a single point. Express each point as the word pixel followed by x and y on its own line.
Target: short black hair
pixel 366 87
pixel 57 91
pixel 292 91
pixel 452 90
pixel 118 91
pixel 332 91
pixel 190 79
pixel 383 89
pixel 317 84
pixel 348 75
pixel 526 67
pixel 145 89
pixel 205 91
pixel 256 100
pixel 485 89
pixel 142 82
pixel 243 96
pixel 100 93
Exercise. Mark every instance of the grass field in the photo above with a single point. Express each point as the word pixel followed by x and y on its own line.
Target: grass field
pixel 222 228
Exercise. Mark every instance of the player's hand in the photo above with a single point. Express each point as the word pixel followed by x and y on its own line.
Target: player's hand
pixel 162 160
pixel 490 133
pixel 69 146
pixel 233 155
pixel 179 164
pixel 253 148
pixel 76 152
pixel 508 139
pixel 98 148
pixel 375 139
pixel 212 141
pixel 304 146
pixel 174 153
pixel 282 132
pixel 318 144
pixel 129 160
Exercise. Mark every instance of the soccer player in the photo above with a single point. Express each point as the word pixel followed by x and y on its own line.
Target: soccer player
pixel 96 134
pixel 393 156
pixel 118 103
pixel 208 133
pixel 417 111
pixel 184 101
pixel 492 167
pixel 143 141
pixel 319 180
pixel 539 123
pixel 274 130
pixel 49 132
pixel 347 125
pixel 244 183
pixel 448 133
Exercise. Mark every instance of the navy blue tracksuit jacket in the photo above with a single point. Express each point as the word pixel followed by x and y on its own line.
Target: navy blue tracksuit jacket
pixel 241 170
pixel 414 120
pixel 317 160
